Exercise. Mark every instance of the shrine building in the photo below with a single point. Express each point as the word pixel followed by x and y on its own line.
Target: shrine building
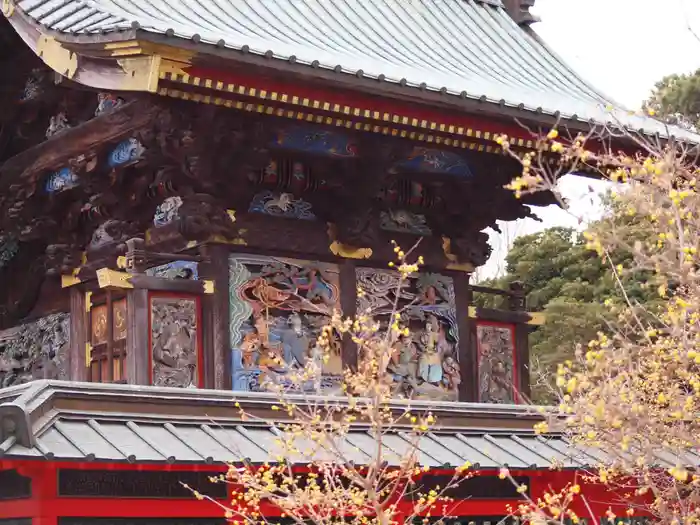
pixel 190 188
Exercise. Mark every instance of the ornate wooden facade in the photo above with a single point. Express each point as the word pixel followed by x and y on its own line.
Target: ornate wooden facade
pixel 187 194
pixel 161 242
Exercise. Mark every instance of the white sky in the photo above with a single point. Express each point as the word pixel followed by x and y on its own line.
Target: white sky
pixel 622 47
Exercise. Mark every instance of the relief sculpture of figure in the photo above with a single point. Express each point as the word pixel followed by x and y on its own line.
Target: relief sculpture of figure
pixel 452 377
pixel 430 362
pixel 278 307
pixel 257 348
pixel 175 361
pixel 403 366
pixel 424 364
pixel 174 343
pixel 296 342
pixel 251 348
pixel 500 390
pixel 495 364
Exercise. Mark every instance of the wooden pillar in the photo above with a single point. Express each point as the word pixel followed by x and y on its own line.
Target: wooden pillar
pixel 138 339
pixel 522 342
pixel 78 335
pixel 215 320
pixel 45 490
pixel 348 303
pixel 468 388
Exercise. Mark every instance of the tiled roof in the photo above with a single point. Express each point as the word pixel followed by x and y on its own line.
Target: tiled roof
pixel 202 426
pixel 467 48
pixel 136 441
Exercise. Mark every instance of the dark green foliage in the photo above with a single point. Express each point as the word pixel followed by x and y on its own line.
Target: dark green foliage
pixel 676 98
pixel 573 286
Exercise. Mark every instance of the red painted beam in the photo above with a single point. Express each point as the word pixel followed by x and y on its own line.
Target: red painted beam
pixel 361 101
pixel 45 505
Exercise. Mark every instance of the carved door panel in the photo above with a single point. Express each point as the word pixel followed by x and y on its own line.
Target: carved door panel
pixel 175 340
pixel 105 355
pixel 497 364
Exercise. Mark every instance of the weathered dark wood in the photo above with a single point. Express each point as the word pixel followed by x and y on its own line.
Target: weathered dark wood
pixel 77 141
pixel 348 304
pixel 160 284
pixel 78 335
pixel 215 319
pixel 502 316
pixel 522 351
pixel 311 240
pixel 491 291
pixel 110 338
pixel 467 349
pixel 138 351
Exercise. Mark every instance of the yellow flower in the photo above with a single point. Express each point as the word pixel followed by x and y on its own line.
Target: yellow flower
pixel 552 134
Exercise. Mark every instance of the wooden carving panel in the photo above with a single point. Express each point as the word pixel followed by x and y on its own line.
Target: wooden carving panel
pixel 175 342
pixel 119 319
pixel 37 350
pixel 426 365
pixel 497 363
pixel 277 308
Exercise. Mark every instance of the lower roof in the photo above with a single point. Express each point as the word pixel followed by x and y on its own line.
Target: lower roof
pixel 134 440
pixel 68 421
pixel 468 49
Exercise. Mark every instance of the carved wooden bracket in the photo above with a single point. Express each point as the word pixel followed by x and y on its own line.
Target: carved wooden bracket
pixel 77 141
pixel 454 262
pixel 343 250
pixel 108 278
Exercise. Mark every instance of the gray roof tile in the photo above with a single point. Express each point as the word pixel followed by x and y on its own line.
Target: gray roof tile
pixel 46 429
pixel 111 440
pixel 466 48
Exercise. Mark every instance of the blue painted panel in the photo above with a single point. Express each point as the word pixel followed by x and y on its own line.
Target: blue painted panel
pixel 281 205
pixel 318 141
pixel 436 161
pixel 126 152
pixel 61 180
pixel 176 270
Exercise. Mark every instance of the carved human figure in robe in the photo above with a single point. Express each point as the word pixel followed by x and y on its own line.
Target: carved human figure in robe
pixel 296 342
pixel 250 349
pixel 403 365
pixel 452 377
pixel 430 361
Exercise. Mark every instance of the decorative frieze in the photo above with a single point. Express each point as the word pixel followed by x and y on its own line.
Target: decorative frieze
pixel 496 363
pixel 174 342
pixel 425 365
pixel 37 350
pixel 277 309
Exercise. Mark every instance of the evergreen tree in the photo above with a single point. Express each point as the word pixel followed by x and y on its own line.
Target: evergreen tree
pixel 573 286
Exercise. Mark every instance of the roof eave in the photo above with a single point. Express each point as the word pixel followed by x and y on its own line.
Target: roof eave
pixel 99 62
pixel 96 64
pixel 229 58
